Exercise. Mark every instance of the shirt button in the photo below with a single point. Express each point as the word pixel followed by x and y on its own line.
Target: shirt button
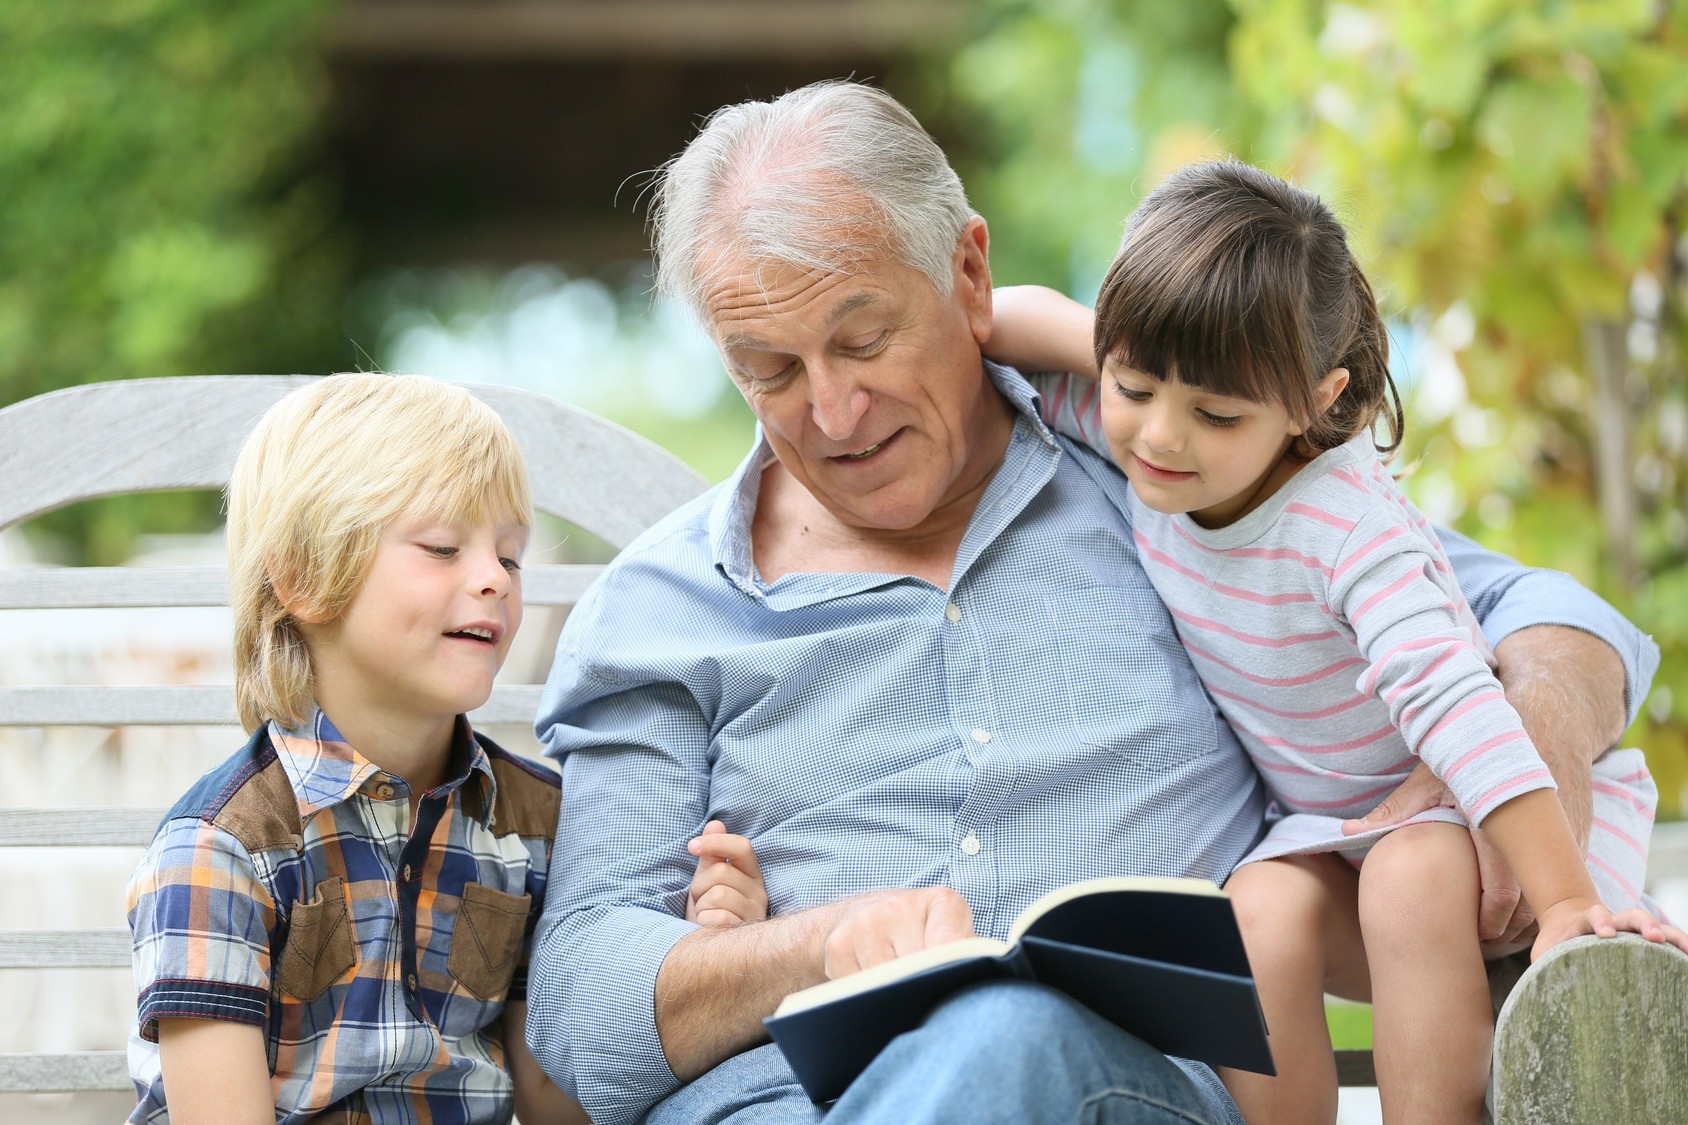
pixel 385 792
pixel 970 844
pixel 981 736
pixel 410 982
pixel 953 612
pixel 405 874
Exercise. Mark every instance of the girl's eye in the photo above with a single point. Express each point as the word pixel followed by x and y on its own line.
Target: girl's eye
pixel 1134 396
pixel 1220 419
pixel 510 564
pixel 440 552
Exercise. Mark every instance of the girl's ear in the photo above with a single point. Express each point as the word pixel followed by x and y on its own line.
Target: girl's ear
pixel 283 586
pixel 1330 388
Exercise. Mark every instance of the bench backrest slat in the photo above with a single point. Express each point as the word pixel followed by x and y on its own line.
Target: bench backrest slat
pixel 130 587
pixel 115 827
pixel 176 706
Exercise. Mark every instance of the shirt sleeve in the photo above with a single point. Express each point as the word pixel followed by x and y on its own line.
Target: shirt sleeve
pixel 1072 405
pixel 1426 664
pixel 200 918
pixel 1507 597
pixel 635 789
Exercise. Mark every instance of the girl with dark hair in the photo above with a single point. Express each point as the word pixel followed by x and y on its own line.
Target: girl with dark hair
pixel 1243 366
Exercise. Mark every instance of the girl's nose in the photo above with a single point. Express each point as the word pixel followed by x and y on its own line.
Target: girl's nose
pixel 1160 431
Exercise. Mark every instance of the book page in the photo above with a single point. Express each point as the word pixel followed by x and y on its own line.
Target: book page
pixel 887 971
pixel 1138 883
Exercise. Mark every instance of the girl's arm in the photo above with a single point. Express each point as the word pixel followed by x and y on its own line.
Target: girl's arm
pixel 1038 329
pixel 216 1072
pixel 1442 696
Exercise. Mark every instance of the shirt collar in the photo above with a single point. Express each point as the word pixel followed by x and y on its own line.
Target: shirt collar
pixel 325 770
pixel 734 508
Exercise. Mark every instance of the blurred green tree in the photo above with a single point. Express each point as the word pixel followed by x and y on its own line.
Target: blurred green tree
pixel 162 212
pixel 1514 175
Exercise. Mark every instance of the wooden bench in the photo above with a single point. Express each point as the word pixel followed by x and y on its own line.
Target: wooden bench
pixel 1598 1031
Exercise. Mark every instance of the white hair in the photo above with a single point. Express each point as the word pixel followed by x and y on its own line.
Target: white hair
pixel 823 178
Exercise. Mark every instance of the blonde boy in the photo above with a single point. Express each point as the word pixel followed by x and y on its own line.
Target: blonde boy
pixel 334 924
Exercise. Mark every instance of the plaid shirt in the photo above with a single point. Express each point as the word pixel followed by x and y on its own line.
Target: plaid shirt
pixel 290 890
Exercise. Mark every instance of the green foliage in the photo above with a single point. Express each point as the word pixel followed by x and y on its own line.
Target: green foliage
pixel 1522 166
pixel 158 214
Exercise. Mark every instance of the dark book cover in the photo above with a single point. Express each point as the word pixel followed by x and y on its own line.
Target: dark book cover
pixel 1166 965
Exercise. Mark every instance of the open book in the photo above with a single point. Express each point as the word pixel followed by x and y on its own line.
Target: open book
pixel 1161 958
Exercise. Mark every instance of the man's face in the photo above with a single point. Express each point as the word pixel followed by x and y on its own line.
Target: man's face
pixel 868 384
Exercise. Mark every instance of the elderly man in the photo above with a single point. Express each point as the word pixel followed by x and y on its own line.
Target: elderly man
pixel 908 649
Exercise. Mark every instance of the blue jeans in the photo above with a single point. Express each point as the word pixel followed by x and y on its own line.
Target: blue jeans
pixel 1005 1053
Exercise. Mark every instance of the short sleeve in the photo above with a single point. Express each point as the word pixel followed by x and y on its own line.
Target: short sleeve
pixel 200 918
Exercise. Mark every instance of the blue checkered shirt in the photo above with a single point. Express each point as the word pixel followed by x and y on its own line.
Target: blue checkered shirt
pixel 1036 724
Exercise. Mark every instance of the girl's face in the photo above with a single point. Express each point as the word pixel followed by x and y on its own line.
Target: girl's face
pixel 1189 450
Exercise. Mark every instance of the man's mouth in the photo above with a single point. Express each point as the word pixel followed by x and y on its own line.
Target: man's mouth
pixel 868 452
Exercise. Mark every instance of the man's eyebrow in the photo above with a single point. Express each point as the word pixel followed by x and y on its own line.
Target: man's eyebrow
pixel 849 305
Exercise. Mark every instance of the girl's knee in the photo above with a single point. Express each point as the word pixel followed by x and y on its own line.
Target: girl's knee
pixel 1282 904
pixel 1419 878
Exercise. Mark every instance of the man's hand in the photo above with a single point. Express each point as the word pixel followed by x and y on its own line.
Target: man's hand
pixel 1421 791
pixel 885 925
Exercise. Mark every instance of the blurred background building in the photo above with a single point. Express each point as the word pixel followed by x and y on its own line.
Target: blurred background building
pixel 456 187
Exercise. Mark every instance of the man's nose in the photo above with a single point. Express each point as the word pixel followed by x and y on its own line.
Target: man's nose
pixel 837 401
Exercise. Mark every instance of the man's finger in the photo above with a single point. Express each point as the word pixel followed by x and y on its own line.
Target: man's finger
pixel 723 875
pixel 1421 791
pixel 731 900
pixel 948 919
pixel 1502 914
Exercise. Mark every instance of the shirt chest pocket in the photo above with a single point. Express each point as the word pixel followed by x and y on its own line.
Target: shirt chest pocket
pixel 486 941
pixel 1129 684
pixel 321 943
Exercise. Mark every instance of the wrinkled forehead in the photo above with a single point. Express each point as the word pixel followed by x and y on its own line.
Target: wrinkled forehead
pixel 748 297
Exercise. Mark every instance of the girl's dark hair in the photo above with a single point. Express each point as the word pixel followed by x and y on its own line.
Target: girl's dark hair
pixel 1241 284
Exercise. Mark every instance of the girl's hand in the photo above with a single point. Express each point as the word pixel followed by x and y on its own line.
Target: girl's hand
pixel 1571 918
pixel 727 889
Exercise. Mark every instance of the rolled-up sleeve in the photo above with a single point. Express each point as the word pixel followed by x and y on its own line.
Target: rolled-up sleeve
pixel 1507 597
pixel 635 789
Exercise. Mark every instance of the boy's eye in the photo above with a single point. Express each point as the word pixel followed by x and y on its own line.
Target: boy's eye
pixel 510 564
pixel 439 552
pixel 1219 419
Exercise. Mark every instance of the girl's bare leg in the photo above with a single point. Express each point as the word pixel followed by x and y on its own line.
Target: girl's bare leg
pixel 1432 1024
pixel 1299 923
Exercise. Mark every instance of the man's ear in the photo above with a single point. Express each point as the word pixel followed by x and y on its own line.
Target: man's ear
pixel 1330 388
pixel 972 268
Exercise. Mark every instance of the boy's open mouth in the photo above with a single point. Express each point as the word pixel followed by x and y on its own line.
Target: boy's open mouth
pixel 482 634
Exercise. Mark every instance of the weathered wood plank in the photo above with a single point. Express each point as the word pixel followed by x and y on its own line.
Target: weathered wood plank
pixel 190 706
pixel 64 1074
pixel 106 948
pixel 120 587
pixel 79 827
pixel 1596 1031
pixel 159 434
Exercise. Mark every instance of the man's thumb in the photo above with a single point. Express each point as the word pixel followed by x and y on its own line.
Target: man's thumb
pixel 1379 817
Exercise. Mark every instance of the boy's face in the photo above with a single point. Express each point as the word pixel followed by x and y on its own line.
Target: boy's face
pixel 432 622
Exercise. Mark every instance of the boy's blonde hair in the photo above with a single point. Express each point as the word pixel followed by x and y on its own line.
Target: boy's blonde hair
pixel 328 468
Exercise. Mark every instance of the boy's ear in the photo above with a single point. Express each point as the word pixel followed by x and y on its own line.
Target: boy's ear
pixel 1331 387
pixel 281 582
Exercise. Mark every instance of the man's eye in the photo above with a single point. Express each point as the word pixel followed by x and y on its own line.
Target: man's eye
pixel 1219 419
pixel 869 347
